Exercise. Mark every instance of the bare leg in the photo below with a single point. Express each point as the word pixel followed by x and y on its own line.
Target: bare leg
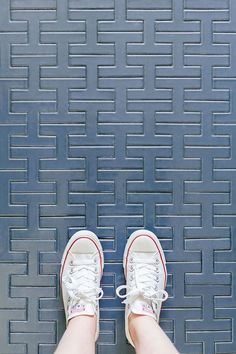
pixel 148 337
pixel 79 337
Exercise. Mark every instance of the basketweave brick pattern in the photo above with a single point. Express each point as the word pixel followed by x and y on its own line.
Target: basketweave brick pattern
pixel 117 115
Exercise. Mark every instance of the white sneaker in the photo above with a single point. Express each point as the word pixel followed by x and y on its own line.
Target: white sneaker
pixel 81 271
pixel 145 271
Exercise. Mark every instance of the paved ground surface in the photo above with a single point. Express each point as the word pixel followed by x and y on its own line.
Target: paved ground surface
pixel 117 115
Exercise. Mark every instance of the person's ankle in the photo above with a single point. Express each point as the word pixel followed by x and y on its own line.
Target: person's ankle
pixel 82 318
pixel 133 323
pixel 132 317
pixel 135 316
pixel 86 323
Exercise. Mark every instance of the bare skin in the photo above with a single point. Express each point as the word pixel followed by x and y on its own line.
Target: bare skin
pixel 147 335
pixel 79 337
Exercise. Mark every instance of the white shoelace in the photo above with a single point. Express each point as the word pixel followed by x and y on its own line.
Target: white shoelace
pixel 146 274
pixel 80 282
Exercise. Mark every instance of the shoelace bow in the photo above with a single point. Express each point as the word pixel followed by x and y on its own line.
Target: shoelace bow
pixel 145 271
pixel 80 281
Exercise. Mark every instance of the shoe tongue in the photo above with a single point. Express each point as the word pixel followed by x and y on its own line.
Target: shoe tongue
pixel 80 308
pixel 142 306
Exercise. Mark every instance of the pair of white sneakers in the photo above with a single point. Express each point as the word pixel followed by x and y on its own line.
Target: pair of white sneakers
pixel 144 267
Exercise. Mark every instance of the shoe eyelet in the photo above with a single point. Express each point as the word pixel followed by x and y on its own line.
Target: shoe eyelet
pixel 70 281
pixel 131 268
pixel 71 263
pixel 95 260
